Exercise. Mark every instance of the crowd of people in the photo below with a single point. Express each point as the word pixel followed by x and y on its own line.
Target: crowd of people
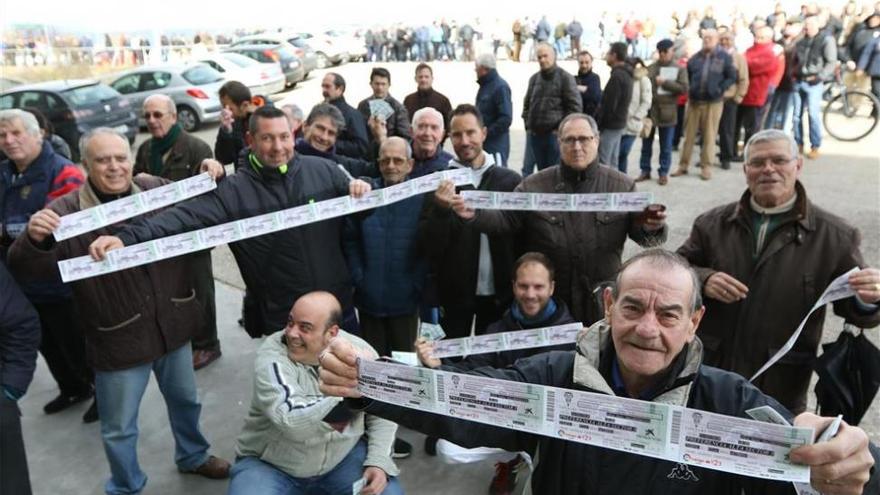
pixel 686 327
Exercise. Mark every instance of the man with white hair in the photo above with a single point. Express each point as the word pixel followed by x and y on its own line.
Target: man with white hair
pixel 32 176
pixel 427 144
pixel 136 322
pixel 495 105
pixel 174 154
pixel 776 249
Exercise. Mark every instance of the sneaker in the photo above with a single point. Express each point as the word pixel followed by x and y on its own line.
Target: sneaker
pixel 643 177
pixel 202 358
pixel 813 154
pixel 402 449
pixel 504 481
pixel 431 446
pixel 214 468
pixel 91 414
pixel 62 402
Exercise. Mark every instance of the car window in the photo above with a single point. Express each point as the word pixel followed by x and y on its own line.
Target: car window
pixel 53 102
pixel 201 74
pixel 155 80
pixel 7 101
pixel 214 65
pixel 127 84
pixel 259 56
pixel 298 42
pixel 239 60
pixel 88 95
pixel 34 99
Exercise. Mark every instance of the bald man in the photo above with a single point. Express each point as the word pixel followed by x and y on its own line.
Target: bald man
pixel 174 154
pixel 290 420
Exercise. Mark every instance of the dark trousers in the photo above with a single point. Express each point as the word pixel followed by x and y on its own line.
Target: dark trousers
pixel 205 338
pixel 389 333
pixel 545 149
pixel 457 321
pixel 679 126
pixel 727 131
pixel 13 461
pixel 747 122
pixel 63 347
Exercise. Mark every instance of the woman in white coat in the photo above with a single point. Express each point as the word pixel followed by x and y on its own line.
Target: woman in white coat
pixel 639 106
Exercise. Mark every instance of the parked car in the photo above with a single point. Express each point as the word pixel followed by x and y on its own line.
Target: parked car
pixel 193 88
pixel 350 42
pixel 261 78
pixel 75 107
pixel 8 83
pixel 280 54
pixel 299 46
pixel 329 51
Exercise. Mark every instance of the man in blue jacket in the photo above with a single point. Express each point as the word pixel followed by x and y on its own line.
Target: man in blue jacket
pixel 494 103
pixel 710 73
pixel 19 339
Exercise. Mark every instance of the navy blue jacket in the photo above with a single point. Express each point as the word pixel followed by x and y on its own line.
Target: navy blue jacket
pixel 50 176
pixel 436 163
pixel 720 75
pixel 869 60
pixel 381 251
pixel 19 336
pixel 496 107
pixel 593 96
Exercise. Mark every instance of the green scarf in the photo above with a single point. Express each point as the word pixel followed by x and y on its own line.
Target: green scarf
pixel 158 148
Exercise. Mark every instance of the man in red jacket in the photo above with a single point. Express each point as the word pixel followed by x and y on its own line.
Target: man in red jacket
pixel 763 64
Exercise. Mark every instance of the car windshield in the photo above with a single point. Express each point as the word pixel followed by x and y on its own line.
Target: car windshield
pixel 239 60
pixel 201 74
pixel 89 95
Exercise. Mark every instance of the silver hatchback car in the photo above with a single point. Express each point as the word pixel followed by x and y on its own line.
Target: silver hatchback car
pixel 192 87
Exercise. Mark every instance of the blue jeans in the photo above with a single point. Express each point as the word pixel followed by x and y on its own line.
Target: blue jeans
pixel 666 136
pixel 545 150
pixel 626 144
pixel 251 476
pixel 609 146
pixel 781 111
pixel 810 96
pixel 528 159
pixel 119 396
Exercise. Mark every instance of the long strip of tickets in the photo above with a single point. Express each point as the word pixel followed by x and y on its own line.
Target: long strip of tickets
pixel 137 204
pixel 492 200
pixel 177 245
pixel 508 341
pixel 664 431
pixel 838 289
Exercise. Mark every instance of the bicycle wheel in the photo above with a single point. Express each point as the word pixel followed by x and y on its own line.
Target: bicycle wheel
pixel 851 115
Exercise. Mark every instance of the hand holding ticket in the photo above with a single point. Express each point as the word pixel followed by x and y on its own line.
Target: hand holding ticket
pixel 338 374
pixel 840 465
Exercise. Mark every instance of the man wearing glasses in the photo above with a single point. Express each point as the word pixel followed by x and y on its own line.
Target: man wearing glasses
pixel 174 154
pixel 585 247
pixel 763 262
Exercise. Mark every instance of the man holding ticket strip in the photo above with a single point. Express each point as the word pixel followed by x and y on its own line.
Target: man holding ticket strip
pixel 137 322
pixel 645 348
pixel 585 247
pixel 764 261
pixel 277 268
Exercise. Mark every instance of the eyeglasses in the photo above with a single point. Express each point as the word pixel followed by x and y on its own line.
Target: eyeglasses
pixel 155 115
pixel 776 161
pixel 581 140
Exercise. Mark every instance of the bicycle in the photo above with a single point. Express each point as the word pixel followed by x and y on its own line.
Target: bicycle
pixel 850 114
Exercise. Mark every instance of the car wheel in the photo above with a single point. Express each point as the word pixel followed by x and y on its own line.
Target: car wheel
pixel 323 61
pixel 188 119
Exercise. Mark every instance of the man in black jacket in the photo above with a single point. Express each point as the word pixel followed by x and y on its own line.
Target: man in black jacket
pixel 238 106
pixel 277 268
pixel 353 139
pixel 471 270
pixel 588 84
pixel 645 348
pixel 615 104
pixel 19 340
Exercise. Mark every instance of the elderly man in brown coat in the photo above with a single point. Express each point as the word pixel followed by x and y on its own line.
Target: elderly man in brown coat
pixel 764 261
pixel 175 155
pixel 136 321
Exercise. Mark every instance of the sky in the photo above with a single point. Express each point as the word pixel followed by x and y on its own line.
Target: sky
pixel 100 16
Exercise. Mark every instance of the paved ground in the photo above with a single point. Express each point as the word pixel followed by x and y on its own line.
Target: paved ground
pixel 66 456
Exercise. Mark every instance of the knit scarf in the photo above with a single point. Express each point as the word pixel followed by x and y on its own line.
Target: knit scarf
pixel 160 146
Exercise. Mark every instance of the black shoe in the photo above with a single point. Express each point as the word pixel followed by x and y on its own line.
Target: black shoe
pixel 725 165
pixel 402 449
pixel 91 414
pixel 737 159
pixel 431 445
pixel 62 402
